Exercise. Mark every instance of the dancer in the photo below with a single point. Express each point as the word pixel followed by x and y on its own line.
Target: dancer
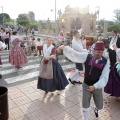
pixel 2 47
pixel 77 45
pixel 51 76
pixel 17 56
pixel 96 75
pixel 112 53
pixel 113 85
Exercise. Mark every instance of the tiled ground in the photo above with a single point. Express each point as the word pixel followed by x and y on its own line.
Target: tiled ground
pixel 28 103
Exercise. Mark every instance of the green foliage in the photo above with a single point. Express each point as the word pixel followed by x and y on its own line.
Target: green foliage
pixel 10 23
pixel 25 23
pixel 4 16
pixel 117 14
pixel 22 17
pixel 101 31
pixel 100 22
pixel 114 27
pixel 34 25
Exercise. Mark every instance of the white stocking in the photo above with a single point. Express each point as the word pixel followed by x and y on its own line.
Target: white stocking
pixel 73 76
pixel 86 113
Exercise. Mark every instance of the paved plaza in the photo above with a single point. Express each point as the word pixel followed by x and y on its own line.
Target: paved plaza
pixel 26 102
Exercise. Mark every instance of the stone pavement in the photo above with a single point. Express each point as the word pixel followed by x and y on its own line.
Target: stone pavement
pixel 26 102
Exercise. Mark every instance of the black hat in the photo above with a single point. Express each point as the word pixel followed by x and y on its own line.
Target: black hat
pixel 75 32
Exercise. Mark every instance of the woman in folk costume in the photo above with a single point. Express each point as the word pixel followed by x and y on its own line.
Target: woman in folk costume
pixel 17 56
pixel 113 85
pixel 2 47
pixel 77 45
pixel 51 76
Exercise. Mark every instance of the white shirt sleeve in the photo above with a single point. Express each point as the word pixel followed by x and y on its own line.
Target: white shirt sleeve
pixel 2 45
pixel 103 78
pixel 75 56
pixel 78 47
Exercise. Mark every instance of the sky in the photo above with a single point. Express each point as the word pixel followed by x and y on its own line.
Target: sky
pixel 42 8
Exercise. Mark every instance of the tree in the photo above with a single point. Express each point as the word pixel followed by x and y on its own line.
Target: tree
pixel 5 17
pixel 25 23
pixel 114 27
pixel 34 25
pixel 117 14
pixel 22 17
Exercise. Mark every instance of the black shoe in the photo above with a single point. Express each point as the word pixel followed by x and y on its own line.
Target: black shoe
pixel 96 112
pixel 0 76
pixel 77 82
pixel 72 82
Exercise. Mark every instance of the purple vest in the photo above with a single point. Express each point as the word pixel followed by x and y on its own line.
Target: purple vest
pixel 93 70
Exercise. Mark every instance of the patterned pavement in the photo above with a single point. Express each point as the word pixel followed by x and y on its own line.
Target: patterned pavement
pixel 26 102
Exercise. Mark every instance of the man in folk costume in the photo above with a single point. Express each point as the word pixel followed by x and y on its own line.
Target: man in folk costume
pixel 96 75
pixel 2 47
pixel 51 75
pixel 77 45
pixel 112 53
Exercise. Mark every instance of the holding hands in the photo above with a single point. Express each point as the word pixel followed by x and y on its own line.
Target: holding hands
pixel 46 58
pixel 60 49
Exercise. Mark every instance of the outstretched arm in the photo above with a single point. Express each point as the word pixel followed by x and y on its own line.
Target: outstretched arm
pixel 73 55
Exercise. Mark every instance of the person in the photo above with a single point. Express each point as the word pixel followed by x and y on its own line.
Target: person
pixel 83 40
pixel 61 37
pixel 96 75
pixel 100 37
pixel 13 36
pixel 39 43
pixel 0 66
pixel 113 85
pixel 33 31
pixel 2 47
pixel 17 56
pixel 112 53
pixel 0 35
pixel 67 39
pixel 51 75
pixel 77 45
pixel 6 37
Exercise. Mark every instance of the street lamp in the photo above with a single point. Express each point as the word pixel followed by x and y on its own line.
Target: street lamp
pixel 2 14
pixel 55 19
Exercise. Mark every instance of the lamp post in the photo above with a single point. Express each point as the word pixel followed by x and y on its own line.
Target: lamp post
pixel 55 19
pixel 2 15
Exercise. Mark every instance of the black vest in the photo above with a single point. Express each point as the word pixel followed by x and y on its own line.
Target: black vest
pixel 93 73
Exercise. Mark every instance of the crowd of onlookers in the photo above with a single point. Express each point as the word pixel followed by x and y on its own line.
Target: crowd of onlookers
pixel 7 35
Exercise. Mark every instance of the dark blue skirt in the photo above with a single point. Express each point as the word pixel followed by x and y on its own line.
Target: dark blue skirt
pixel 79 66
pixel 113 85
pixel 59 81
